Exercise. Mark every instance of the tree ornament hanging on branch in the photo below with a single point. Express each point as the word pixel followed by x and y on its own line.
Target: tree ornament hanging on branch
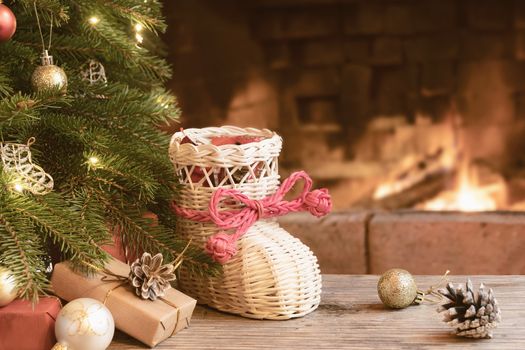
pixel 48 76
pixel 16 159
pixel 397 289
pixel 472 315
pixel 7 23
pixel 93 71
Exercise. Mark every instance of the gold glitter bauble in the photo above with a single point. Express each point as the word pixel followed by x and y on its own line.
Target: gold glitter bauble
pixel 48 76
pixel 397 288
pixel 8 290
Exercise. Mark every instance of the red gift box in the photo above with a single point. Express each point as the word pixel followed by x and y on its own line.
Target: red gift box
pixel 117 250
pixel 23 327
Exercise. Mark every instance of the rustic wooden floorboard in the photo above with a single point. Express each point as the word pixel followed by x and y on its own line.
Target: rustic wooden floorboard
pixel 352 317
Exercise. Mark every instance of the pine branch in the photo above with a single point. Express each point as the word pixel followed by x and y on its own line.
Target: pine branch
pixel 60 225
pixel 5 81
pixel 22 255
pixel 48 10
pixel 142 13
pixel 20 251
pixel 139 233
pixel 122 48
pixel 114 122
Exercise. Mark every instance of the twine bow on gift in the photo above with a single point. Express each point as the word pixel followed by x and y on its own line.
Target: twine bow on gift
pixel 223 246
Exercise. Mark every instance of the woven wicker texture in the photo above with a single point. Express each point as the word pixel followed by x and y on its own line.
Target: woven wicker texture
pixel 273 275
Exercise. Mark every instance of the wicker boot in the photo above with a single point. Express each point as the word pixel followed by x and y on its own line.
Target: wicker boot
pixel 267 273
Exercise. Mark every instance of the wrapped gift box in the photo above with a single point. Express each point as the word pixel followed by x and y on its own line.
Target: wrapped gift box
pixel 116 249
pixel 148 321
pixel 27 327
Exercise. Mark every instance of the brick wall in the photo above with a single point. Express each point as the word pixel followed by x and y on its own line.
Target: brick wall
pixel 319 71
pixel 422 243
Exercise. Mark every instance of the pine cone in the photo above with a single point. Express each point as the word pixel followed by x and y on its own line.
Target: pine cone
pixel 472 315
pixel 149 277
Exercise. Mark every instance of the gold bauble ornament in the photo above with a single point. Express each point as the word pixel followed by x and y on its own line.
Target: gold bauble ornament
pixel 48 76
pixel 8 290
pixel 397 289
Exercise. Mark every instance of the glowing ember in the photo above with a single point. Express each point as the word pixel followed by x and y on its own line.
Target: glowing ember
pixel 467 198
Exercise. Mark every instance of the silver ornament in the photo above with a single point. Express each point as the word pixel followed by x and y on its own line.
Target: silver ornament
pixel 16 159
pixel 93 71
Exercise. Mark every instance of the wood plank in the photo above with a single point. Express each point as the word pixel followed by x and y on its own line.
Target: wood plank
pixel 352 317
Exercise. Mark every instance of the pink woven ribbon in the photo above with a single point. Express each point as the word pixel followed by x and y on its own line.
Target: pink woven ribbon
pixel 222 246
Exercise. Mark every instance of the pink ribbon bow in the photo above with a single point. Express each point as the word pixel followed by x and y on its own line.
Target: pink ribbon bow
pixel 222 246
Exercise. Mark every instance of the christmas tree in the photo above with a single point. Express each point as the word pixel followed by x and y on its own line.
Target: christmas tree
pixel 97 135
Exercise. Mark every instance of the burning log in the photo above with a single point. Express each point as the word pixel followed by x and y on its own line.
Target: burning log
pixel 421 181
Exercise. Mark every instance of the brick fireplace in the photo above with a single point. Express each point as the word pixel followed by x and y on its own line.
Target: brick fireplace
pixel 369 93
pixel 358 86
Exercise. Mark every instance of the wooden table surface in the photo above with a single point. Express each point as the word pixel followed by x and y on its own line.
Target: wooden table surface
pixel 351 316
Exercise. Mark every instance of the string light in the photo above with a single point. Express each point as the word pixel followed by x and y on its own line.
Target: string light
pixel 139 27
pixel 94 20
pixel 139 38
pixel 163 104
pixel 93 160
pixel 18 187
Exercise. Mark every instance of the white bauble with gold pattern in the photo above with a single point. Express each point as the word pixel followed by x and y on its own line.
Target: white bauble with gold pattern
pixel 48 76
pixel 84 324
pixel 8 290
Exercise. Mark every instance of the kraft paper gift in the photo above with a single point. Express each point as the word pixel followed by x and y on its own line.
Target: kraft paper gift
pixel 151 322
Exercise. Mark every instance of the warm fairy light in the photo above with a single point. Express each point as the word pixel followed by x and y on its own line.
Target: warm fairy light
pixel 18 187
pixel 162 103
pixel 94 20
pixel 139 38
pixel 93 161
pixel 138 27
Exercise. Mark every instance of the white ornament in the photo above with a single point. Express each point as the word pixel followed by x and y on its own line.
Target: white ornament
pixel 16 159
pixel 94 72
pixel 8 290
pixel 84 324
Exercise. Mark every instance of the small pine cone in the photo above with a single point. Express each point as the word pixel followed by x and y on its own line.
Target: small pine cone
pixel 149 277
pixel 472 315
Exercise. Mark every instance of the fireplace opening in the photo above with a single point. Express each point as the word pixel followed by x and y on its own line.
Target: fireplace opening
pixel 390 104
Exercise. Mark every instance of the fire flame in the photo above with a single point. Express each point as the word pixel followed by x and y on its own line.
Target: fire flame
pixel 468 196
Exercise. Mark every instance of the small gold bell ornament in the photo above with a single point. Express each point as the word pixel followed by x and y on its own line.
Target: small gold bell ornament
pixel 8 290
pixel 84 324
pixel 48 76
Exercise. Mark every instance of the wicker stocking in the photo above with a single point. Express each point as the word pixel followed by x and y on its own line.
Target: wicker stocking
pixel 272 275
